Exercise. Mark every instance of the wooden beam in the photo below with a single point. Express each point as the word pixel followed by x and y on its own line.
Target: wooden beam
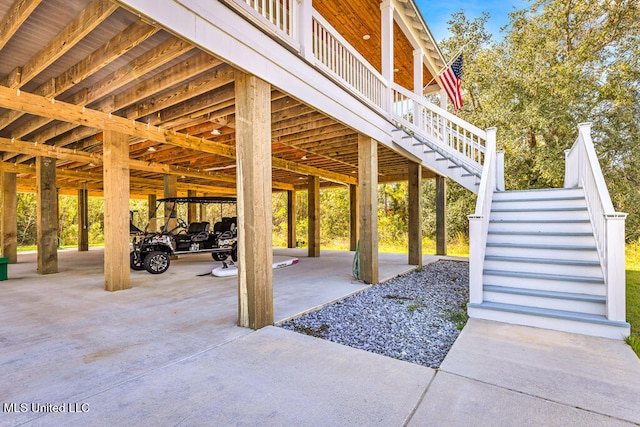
pixel 131 37
pixel 354 217
pixel 47 216
pixel 116 212
pixel 83 219
pixel 9 223
pixel 291 219
pixel 87 20
pixel 415 213
pixel 15 17
pixel 255 253
pixel 313 229
pixel 441 215
pixel 149 61
pixel 63 111
pixel 368 201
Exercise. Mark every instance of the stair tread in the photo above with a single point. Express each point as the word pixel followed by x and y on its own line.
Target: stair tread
pixel 548 312
pixel 541 221
pixel 543 260
pixel 544 276
pixel 566 209
pixel 542 246
pixel 541 199
pixel 541 233
pixel 546 294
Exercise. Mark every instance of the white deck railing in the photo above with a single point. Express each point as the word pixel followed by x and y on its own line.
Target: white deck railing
pixel 334 54
pixel 479 221
pixel 281 16
pixel 419 115
pixel 583 170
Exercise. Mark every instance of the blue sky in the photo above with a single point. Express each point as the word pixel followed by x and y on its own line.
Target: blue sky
pixel 436 13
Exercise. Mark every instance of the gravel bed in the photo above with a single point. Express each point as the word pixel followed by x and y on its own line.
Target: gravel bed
pixel 415 317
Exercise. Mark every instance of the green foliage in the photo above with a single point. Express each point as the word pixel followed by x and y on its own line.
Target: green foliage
pixel 560 63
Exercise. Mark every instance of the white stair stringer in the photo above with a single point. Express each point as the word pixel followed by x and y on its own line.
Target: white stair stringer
pixel 541 265
pixel 439 157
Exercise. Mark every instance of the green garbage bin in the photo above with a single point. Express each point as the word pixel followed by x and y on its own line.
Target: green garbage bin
pixel 4 262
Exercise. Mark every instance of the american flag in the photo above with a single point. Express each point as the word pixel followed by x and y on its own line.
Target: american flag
pixel 451 79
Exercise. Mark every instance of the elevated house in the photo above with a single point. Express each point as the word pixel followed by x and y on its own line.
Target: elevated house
pixel 148 97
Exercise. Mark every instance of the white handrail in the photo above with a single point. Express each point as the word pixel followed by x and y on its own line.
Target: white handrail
pixel 479 221
pixel 583 170
pixel 422 117
pixel 333 53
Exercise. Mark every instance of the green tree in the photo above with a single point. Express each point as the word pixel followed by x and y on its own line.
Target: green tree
pixel 561 62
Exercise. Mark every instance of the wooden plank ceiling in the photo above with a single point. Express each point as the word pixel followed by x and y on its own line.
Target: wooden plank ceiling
pixel 92 53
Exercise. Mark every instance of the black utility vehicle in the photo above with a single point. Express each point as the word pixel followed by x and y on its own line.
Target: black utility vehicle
pixel 152 249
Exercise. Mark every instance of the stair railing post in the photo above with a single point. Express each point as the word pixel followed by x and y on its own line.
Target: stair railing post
pixel 615 266
pixel 476 258
pixel 305 28
pixel 500 171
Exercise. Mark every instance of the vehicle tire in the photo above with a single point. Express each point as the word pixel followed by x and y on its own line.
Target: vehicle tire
pixel 234 254
pixel 135 260
pixel 156 262
pixel 219 256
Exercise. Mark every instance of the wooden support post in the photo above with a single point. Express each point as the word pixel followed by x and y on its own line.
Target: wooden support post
pixel 9 224
pixel 170 190
pixel 415 214
pixel 203 214
pixel 192 208
pixel 253 165
pixel 441 215
pixel 116 211
pixel 368 202
pixel 291 218
pixel 83 219
pixel 354 217
pixel 47 215
pixel 151 212
pixel 314 216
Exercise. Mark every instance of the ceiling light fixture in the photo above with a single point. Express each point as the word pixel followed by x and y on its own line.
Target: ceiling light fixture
pixel 215 132
pixel 366 37
pixel 303 157
pixel 151 149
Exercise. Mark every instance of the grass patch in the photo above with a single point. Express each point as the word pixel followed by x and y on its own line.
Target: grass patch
pixel 633 308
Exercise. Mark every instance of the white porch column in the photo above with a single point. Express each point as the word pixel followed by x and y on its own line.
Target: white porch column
pixel 386 9
pixel 418 78
pixel 305 34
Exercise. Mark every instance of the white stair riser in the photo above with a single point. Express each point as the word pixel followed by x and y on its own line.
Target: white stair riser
pixel 553 227
pixel 567 254
pixel 541 239
pixel 545 285
pixel 542 194
pixel 544 215
pixel 542 302
pixel 539 204
pixel 564 325
pixel 545 268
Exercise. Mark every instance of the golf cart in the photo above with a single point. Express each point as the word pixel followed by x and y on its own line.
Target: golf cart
pixel 152 249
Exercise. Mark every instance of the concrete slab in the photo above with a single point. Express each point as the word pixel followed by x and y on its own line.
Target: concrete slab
pixel 270 377
pixel 456 401
pixel 597 374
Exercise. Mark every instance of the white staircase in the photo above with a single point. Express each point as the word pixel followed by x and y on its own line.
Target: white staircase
pixel 541 265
